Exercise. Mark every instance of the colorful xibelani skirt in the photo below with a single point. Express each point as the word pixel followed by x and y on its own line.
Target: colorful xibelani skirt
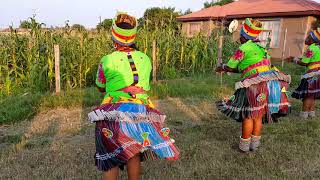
pixel 309 86
pixel 262 95
pixel 127 129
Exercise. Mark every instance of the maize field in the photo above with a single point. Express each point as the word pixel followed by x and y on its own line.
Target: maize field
pixel 27 61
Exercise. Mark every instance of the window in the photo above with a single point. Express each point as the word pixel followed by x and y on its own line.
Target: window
pixel 194 28
pixel 271 27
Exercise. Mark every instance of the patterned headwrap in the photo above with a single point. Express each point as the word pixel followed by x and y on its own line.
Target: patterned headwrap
pixel 315 35
pixel 124 37
pixel 249 30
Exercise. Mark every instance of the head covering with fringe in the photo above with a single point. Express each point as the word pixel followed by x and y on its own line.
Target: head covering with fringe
pixel 251 29
pixel 124 29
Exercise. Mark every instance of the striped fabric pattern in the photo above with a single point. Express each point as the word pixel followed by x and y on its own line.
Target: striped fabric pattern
pixel 315 35
pixel 263 77
pixel 133 69
pixel 309 86
pixel 137 129
pixel 249 31
pixel 262 97
pixel 124 37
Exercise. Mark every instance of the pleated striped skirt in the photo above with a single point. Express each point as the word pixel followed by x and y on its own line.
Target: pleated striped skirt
pixel 124 130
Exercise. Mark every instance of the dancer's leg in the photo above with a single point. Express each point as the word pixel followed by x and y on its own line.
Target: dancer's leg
pixel 112 174
pixel 134 168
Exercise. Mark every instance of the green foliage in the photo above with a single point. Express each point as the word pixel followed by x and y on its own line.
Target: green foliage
pixel 78 27
pixel 27 61
pixel 20 107
pixel 157 17
pixel 16 108
pixel 24 106
pixel 25 24
pixel 31 23
pixel 188 11
pixel 105 24
pixel 216 3
pixel 169 72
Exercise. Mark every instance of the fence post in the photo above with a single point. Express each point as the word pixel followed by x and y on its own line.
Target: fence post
pixel 220 55
pixel 57 67
pixel 220 46
pixel 220 49
pixel 284 46
pixel 154 61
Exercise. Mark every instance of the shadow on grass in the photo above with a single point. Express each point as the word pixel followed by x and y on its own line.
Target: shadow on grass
pixel 23 107
pixel 48 140
pixel 51 144
pixel 58 142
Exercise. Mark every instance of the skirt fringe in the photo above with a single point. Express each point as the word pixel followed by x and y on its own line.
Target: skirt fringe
pixel 309 87
pixel 267 99
pixel 126 130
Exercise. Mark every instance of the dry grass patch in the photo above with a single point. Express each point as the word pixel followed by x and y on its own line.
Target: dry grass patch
pixel 59 144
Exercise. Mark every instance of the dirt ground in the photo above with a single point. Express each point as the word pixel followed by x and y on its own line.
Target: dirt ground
pixel 59 144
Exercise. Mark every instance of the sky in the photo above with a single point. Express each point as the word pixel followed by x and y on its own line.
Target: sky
pixel 85 12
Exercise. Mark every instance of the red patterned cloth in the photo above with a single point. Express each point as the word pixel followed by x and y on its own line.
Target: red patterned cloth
pixel 309 53
pixel 101 78
pixel 131 129
pixel 238 55
pixel 261 98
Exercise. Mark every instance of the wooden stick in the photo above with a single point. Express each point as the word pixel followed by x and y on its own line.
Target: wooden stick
pixel 220 55
pixel 220 50
pixel 57 68
pixel 284 46
pixel 154 61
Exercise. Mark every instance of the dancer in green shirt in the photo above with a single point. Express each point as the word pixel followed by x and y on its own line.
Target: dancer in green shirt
pixel 309 88
pixel 261 94
pixel 128 127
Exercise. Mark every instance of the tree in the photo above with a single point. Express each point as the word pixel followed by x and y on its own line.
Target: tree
pixel 216 3
pixel 156 18
pixel 188 11
pixel 31 23
pixel 153 18
pixel 78 27
pixel 25 24
pixel 105 24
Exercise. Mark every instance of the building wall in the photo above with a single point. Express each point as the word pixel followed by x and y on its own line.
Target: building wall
pixel 297 30
pixel 206 28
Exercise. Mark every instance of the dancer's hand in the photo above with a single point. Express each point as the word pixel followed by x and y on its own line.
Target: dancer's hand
pixel 220 68
pixel 289 59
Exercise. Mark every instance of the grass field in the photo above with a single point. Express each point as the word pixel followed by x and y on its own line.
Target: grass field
pixel 48 137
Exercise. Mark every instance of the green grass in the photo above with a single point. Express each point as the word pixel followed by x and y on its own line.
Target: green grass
pixel 56 142
pixel 23 106
pixel 62 139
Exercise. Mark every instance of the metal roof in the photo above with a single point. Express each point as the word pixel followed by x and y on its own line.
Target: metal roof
pixel 256 8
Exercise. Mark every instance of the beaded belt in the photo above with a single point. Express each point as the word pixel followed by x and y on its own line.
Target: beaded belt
pixel 260 65
pixel 314 65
